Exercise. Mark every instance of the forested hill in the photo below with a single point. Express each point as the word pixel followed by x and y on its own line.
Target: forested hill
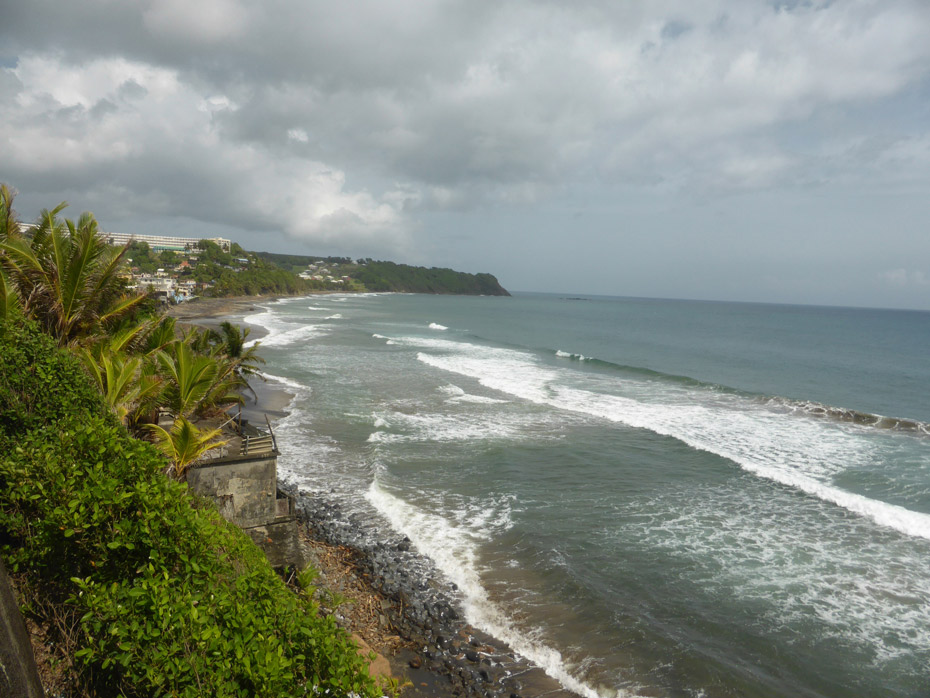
pixel 389 276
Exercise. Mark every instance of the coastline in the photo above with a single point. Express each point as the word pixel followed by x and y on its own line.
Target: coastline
pixel 413 622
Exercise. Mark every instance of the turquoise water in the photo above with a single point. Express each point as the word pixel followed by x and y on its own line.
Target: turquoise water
pixel 645 497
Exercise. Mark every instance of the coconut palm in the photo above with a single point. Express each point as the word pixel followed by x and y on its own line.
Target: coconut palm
pixel 236 362
pixel 67 278
pixel 188 378
pixel 128 383
pixel 184 443
pixel 233 340
pixel 9 225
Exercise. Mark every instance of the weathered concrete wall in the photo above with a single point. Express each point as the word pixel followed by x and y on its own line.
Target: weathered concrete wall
pixel 244 490
pixel 280 542
pixel 19 677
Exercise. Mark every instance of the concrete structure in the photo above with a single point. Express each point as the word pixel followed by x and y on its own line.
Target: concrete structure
pixel 19 677
pixel 243 481
pixel 160 243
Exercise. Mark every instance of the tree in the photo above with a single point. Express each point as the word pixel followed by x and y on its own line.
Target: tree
pixel 185 443
pixel 127 387
pixel 189 378
pixel 67 277
pixel 9 226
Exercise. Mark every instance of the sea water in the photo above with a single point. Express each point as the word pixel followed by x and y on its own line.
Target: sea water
pixel 644 497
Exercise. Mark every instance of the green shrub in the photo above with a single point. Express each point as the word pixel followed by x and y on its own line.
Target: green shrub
pixel 168 598
pixel 38 384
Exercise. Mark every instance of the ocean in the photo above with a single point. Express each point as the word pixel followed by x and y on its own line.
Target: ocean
pixel 643 497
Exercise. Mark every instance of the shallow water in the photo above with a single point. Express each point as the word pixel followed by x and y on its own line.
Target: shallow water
pixel 658 498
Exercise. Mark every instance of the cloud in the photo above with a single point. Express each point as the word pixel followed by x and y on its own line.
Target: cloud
pixel 904 278
pixel 140 129
pixel 364 115
pixel 204 21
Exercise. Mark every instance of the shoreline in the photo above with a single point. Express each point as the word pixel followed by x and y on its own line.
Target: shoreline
pixel 421 628
pixel 415 623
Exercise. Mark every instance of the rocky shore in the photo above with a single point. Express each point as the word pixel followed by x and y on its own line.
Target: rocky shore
pixel 420 624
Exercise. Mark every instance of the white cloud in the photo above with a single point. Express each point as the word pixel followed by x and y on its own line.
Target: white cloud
pixel 70 121
pixel 207 21
pixel 298 134
pixel 904 277
pixel 370 113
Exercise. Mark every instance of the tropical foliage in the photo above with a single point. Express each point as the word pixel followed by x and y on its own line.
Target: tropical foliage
pixel 185 443
pixel 144 590
pixel 66 276
pixel 371 275
pixel 62 275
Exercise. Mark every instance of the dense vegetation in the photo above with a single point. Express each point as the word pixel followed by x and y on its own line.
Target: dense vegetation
pixel 143 589
pixel 228 274
pixel 371 275
pixel 388 276
pixel 299 262
pixel 148 591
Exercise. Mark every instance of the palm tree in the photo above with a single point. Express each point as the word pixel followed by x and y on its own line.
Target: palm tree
pixel 242 362
pixel 189 378
pixel 185 443
pixel 127 383
pixel 67 278
pixel 9 225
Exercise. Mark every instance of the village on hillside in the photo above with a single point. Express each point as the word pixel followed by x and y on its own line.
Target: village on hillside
pixel 175 269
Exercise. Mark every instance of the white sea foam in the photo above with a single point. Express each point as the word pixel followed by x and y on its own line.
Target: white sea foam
pixel 440 428
pixel 379 336
pixel 337 316
pixel 437 326
pixel 456 394
pixel 267 319
pixel 453 548
pixel 291 336
pixel 315 307
pixel 803 454
pixel 567 355
pixel 866 590
pixel 288 382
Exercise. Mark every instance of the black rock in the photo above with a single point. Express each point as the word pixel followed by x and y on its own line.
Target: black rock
pixel 471 656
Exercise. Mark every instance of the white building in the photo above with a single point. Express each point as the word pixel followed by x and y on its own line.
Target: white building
pixel 160 286
pixel 160 243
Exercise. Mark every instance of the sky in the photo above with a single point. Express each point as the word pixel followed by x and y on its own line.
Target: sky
pixel 745 150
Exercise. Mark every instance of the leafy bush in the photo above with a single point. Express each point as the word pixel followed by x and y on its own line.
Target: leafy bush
pixel 39 385
pixel 167 598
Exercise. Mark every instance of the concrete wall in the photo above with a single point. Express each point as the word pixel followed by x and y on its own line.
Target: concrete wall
pixel 244 490
pixel 280 542
pixel 19 677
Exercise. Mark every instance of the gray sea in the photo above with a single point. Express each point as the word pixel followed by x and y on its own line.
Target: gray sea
pixel 643 497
